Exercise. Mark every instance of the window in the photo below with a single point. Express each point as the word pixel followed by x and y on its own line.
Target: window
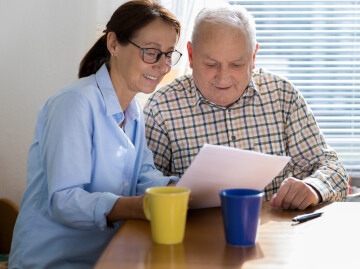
pixel 316 45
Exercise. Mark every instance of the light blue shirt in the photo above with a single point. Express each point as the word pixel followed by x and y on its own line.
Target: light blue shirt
pixel 79 164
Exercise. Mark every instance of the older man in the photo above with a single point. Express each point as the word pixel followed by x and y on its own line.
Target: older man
pixel 227 102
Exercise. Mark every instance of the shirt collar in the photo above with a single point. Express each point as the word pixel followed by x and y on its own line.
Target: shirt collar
pixel 133 110
pixel 112 105
pixel 250 90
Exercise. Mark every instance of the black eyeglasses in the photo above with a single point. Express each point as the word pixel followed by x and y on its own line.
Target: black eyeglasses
pixel 152 56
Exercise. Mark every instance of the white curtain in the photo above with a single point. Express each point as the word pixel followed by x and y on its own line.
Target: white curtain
pixel 186 11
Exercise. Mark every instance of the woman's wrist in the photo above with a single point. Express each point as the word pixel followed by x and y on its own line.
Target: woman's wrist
pixel 127 208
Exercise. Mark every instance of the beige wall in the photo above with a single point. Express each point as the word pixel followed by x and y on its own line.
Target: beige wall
pixel 41 45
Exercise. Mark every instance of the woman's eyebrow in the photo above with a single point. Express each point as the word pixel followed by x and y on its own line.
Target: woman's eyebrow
pixel 157 45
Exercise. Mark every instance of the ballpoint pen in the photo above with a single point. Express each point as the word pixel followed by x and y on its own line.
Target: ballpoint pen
pixel 306 217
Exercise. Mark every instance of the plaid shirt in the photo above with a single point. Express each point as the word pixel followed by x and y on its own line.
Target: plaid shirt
pixel 270 117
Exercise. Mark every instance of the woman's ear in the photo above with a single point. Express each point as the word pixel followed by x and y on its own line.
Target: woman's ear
pixel 189 49
pixel 111 43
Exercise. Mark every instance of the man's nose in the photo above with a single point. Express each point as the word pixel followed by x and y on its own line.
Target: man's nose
pixel 223 75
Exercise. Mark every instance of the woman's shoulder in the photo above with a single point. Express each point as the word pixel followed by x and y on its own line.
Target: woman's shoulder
pixel 85 87
pixel 81 89
pixel 80 94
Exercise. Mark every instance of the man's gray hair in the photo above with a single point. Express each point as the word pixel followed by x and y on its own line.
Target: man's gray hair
pixel 234 16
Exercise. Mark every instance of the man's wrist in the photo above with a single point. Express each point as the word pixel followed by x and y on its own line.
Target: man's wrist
pixel 317 193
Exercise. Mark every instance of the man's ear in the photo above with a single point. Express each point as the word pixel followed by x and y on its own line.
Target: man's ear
pixel 189 49
pixel 254 55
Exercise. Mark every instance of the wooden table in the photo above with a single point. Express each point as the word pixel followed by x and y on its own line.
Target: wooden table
pixel 330 241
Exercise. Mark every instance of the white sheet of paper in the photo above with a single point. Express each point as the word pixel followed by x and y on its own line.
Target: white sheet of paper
pixel 219 167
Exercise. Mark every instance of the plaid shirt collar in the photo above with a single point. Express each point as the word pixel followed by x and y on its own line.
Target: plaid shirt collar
pixel 199 99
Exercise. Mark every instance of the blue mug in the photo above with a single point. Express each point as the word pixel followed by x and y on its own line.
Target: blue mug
pixel 240 210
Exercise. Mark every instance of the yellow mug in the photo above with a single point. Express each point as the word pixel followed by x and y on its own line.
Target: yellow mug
pixel 166 208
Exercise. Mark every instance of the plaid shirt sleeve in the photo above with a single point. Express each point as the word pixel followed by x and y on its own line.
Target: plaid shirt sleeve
pixel 313 160
pixel 157 136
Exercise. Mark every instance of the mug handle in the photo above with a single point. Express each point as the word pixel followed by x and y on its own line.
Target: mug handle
pixel 146 207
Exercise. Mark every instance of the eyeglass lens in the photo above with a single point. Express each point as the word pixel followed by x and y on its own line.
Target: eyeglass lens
pixel 153 55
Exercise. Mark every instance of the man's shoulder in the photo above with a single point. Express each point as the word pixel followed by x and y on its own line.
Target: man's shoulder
pixel 179 88
pixel 267 81
pixel 178 85
pixel 260 75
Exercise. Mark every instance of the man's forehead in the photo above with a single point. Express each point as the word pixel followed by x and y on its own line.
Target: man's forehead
pixel 216 32
pixel 213 38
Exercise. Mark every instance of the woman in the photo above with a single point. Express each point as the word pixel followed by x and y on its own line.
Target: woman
pixel 89 163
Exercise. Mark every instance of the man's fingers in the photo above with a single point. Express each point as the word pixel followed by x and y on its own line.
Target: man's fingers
pixel 272 200
pixel 290 197
pixel 297 201
pixel 281 194
pixel 304 204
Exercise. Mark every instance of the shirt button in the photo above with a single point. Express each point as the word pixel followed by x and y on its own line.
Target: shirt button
pixel 126 184
pixel 233 138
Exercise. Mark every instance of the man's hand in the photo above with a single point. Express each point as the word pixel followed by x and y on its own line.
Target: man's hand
pixel 294 194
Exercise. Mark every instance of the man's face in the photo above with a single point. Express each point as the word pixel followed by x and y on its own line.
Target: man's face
pixel 222 63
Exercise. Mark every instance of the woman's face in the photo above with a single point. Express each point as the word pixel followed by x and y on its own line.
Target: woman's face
pixel 128 72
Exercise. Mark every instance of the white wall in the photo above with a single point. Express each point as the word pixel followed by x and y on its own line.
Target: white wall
pixel 41 45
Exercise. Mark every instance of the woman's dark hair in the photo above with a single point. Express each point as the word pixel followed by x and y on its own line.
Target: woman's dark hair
pixel 126 20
